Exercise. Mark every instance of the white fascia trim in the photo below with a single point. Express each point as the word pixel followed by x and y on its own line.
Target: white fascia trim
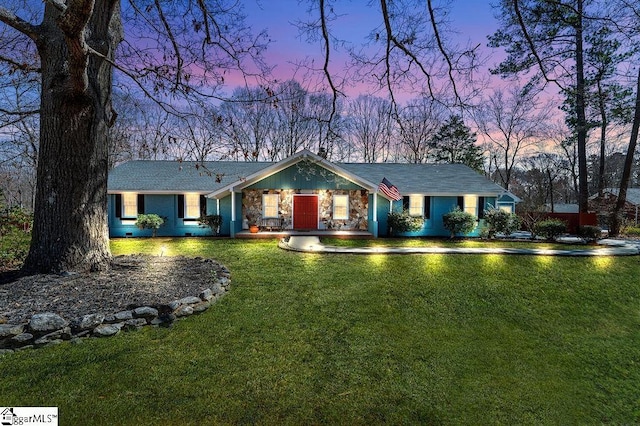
pixel 287 162
pixel 159 192
pixel 454 194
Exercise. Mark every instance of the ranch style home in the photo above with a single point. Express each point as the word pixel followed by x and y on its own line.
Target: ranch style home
pixel 302 193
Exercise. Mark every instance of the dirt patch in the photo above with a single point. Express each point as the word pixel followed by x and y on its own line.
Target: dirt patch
pixel 131 281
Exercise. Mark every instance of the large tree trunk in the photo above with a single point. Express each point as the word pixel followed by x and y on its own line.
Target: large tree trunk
pixel 616 215
pixel 70 219
pixel 583 182
pixel 603 139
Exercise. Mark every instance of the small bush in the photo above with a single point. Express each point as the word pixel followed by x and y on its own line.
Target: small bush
pixel 589 232
pixel 15 218
pixel 529 221
pixel 459 222
pixel 150 221
pixel 14 246
pixel 551 228
pixel 213 221
pixel 15 236
pixel 632 231
pixel 500 221
pixel 403 222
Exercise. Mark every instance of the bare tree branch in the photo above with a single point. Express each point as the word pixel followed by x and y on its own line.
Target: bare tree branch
pixel 325 67
pixel 19 65
pixel 391 38
pixel 19 24
pixel 176 48
pixel 205 17
pixel 443 51
pixel 532 47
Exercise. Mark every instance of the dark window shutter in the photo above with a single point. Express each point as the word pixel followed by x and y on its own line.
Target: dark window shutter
pixel 140 203
pixel 203 206
pixel 405 202
pixel 180 206
pixel 427 207
pixel 118 205
pixel 480 207
pixel 461 203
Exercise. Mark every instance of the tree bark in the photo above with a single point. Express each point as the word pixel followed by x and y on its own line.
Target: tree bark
pixel 603 139
pixel 616 216
pixel 583 183
pixel 70 218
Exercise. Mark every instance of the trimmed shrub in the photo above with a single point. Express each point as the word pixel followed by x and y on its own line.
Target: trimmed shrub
pixel 500 221
pixel 458 222
pixel 551 228
pixel 150 221
pixel 213 221
pixel 403 222
pixel 589 232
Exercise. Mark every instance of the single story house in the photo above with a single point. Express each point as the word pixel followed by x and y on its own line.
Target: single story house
pixel 604 205
pixel 562 208
pixel 304 192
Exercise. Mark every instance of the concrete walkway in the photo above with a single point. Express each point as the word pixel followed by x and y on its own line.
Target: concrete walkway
pixel 312 244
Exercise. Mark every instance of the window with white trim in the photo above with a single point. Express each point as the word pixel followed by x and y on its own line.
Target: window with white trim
pixel 191 206
pixel 129 205
pixel 416 205
pixel 341 207
pixel 471 204
pixel 270 205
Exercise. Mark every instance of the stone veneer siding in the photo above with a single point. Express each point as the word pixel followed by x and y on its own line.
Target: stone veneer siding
pixel 358 207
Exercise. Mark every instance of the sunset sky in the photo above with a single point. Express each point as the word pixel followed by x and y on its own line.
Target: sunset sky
pixel 473 20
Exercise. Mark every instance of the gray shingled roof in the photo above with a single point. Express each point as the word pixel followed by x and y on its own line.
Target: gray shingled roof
pixel 426 178
pixel 172 176
pixel 633 194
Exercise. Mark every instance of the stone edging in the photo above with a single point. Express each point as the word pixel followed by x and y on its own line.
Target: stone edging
pixel 48 328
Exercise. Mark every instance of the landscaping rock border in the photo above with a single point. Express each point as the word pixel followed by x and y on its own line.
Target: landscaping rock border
pixel 49 328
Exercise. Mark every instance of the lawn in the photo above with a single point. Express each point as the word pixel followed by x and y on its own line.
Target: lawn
pixel 306 338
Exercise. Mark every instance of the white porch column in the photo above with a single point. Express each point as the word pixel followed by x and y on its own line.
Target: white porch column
pixel 375 206
pixel 218 206
pixel 374 216
pixel 232 222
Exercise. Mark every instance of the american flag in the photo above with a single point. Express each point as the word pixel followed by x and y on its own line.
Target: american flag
pixel 389 190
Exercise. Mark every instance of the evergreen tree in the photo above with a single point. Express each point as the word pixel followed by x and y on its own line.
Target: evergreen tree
pixel 455 143
pixel 547 39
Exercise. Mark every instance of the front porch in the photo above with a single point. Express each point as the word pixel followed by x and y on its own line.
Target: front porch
pixel 318 233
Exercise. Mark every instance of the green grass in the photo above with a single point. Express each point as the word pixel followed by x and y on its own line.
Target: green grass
pixel 306 338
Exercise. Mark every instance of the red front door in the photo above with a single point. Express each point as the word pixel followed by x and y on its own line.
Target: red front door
pixel 305 212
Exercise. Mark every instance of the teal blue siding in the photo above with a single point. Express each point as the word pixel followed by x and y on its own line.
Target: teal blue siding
pixel 434 226
pixel 162 205
pixel 225 212
pixel 305 175
pixel 165 205
pixel 505 200
pixel 383 211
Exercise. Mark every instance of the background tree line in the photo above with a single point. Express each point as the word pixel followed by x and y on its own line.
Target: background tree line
pixel 511 137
